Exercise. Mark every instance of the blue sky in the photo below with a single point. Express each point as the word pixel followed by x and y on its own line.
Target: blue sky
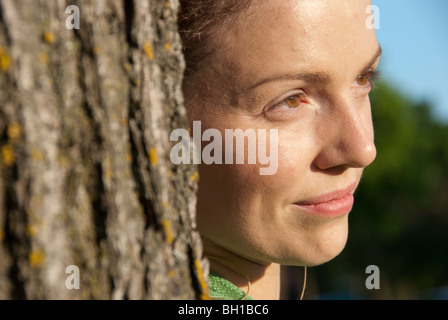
pixel 414 38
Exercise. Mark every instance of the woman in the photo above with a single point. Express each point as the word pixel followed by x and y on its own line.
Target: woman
pixel 299 69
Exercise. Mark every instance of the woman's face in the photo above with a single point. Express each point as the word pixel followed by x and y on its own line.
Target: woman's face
pixel 302 68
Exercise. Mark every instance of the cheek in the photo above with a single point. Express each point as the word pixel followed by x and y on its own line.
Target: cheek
pixel 244 184
pixel 289 163
pixel 296 151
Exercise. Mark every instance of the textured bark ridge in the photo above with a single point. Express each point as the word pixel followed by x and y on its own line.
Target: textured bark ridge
pixel 85 174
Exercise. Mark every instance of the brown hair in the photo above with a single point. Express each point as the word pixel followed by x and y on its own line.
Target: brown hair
pixel 199 21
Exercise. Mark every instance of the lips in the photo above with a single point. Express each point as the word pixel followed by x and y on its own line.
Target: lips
pixel 333 204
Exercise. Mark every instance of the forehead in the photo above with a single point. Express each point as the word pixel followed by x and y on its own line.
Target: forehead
pixel 312 35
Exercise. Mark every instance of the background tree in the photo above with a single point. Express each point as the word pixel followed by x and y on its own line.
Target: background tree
pixel 85 174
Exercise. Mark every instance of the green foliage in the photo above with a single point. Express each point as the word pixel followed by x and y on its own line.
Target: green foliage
pixel 400 218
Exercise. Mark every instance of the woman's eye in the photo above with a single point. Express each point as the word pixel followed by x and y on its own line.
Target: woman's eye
pixel 285 107
pixel 368 78
pixel 363 80
pixel 293 101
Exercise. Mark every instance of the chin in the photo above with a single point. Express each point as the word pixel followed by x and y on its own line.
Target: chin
pixel 317 249
pixel 324 257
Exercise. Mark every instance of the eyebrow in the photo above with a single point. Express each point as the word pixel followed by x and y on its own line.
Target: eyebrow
pixel 372 61
pixel 315 77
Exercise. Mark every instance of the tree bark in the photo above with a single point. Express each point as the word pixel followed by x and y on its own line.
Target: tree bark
pixel 85 174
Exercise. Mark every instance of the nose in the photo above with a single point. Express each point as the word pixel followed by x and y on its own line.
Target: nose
pixel 347 136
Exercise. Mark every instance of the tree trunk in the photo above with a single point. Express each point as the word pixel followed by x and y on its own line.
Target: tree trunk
pixel 85 174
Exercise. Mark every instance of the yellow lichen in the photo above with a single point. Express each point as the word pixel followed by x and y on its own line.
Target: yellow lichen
pixel 148 50
pixel 43 57
pixel 167 46
pixel 194 177
pixel 153 157
pixel 128 158
pixel 36 200
pixel 109 174
pixel 202 283
pixel 165 205
pixel 5 60
pixel 166 224
pixel 14 131
pixel 49 37
pixel 127 66
pixel 7 155
pixel 30 230
pixel 36 258
pixel 37 155
pixel 62 160
pixel 171 273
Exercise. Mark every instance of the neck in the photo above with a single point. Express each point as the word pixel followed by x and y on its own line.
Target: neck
pixel 264 278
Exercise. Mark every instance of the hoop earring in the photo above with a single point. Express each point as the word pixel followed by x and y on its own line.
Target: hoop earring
pixel 248 289
pixel 304 284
